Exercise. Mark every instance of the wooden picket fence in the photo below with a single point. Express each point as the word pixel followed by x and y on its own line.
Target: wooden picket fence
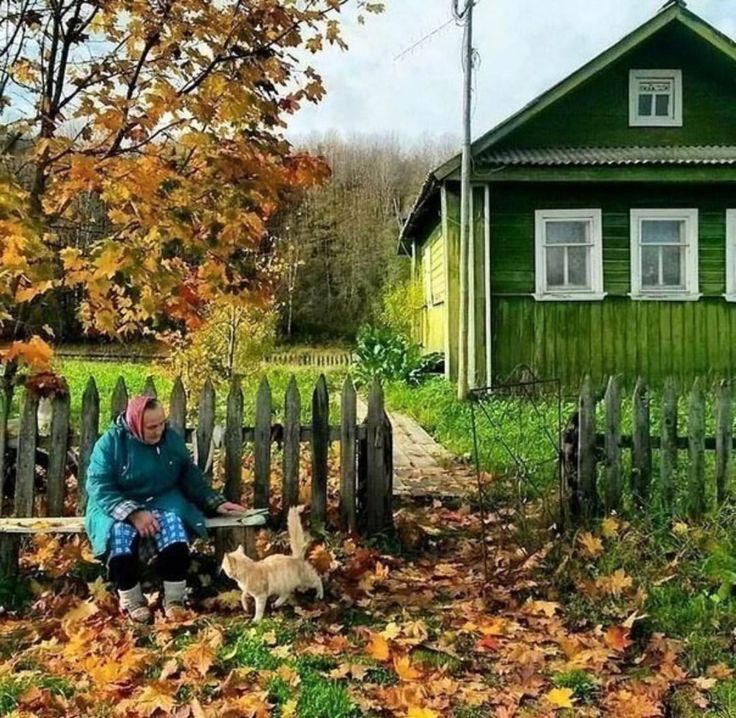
pixel 366 467
pixel 316 359
pixel 594 483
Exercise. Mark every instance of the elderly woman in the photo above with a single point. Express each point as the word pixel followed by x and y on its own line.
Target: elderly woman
pixel 145 497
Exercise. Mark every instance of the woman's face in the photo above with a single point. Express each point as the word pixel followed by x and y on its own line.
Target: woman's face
pixel 154 423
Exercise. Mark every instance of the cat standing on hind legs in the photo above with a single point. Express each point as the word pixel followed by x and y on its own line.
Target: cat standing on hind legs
pixel 276 575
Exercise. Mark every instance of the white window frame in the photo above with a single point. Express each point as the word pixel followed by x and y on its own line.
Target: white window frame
pixel 691 291
pixel 595 291
pixel 635 120
pixel 730 294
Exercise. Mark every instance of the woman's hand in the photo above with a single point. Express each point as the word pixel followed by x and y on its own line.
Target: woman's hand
pixel 145 523
pixel 228 508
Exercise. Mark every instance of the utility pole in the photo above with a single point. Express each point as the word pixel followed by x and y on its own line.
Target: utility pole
pixel 466 15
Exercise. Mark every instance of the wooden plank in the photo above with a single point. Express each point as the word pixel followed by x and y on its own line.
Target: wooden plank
pixel 149 388
pixel 612 491
pixel 668 444
pixel 75 524
pixel 724 440
pixel 205 428
pixel 119 401
pixel 229 539
pixel 320 447
pixel 178 407
pixel 292 422
pixel 348 421
pixel 641 459
pixel 377 483
pixel 262 454
pixel 88 437
pixel 696 433
pixel 57 455
pixel 588 494
pixel 234 443
pixel 26 463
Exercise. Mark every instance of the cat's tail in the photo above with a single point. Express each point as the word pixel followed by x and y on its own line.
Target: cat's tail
pixel 297 538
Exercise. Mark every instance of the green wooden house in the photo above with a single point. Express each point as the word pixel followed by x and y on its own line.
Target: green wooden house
pixel 603 220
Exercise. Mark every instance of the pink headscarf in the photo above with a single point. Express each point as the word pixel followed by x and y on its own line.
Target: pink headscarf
pixel 134 414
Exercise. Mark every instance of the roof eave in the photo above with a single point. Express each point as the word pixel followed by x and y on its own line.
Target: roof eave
pixel 406 237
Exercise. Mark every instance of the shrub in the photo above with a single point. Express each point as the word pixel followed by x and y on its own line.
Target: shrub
pixel 387 355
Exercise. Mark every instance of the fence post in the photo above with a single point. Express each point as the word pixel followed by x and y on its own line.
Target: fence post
pixel 292 437
pixel 87 439
pixel 378 484
pixel 178 408
pixel 613 445
pixel 641 456
pixel 228 539
pixel 696 446
pixel 25 476
pixel 205 428
pixel 119 400
pixel 586 452
pixel 668 448
pixel 262 458
pixel 149 388
pixel 320 447
pixel 6 398
pixel 348 421
pixel 724 440
pixel 57 455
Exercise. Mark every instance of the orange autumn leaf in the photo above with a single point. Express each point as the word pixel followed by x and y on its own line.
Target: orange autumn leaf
pixel 156 696
pixel 321 558
pixel 35 353
pixel 617 638
pixel 199 656
pixel 404 669
pixel 417 712
pixel 378 647
pixel 592 545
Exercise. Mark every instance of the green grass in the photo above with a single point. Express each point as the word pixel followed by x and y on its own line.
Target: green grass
pixel 106 373
pixel 12 687
pixel 582 684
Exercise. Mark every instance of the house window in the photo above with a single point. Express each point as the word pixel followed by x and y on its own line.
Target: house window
pixel 569 257
pixel 731 255
pixel 664 254
pixel 655 98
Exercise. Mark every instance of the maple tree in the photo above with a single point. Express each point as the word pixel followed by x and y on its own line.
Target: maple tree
pixel 156 127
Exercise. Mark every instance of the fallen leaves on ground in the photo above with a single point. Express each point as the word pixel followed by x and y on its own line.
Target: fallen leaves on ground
pixel 412 636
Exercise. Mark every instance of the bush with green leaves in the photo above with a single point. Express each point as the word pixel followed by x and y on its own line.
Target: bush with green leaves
pixel 388 356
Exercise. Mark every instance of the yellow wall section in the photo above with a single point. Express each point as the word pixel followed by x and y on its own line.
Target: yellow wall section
pixel 431 270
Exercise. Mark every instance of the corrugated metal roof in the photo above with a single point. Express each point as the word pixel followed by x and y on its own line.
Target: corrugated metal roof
pixel 676 155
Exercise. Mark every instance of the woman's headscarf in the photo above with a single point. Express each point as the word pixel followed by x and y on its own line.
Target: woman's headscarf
pixel 134 414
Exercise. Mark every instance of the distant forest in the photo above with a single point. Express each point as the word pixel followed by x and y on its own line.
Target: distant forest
pixel 339 241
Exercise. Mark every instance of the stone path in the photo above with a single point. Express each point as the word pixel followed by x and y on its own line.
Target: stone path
pixel 422 467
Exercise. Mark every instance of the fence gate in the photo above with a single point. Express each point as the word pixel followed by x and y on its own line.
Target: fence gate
pixel 517 425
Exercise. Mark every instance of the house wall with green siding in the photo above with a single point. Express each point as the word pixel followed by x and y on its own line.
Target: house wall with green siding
pixel 566 340
pixel 597 112
pixel 430 270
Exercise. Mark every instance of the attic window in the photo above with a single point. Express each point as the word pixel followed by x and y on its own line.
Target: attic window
pixel 655 98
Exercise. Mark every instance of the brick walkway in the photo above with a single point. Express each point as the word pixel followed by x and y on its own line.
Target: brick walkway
pixel 422 467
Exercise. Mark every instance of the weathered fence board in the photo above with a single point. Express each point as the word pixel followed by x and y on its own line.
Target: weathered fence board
pixel 205 428
pixel 668 444
pixel 378 506
pixel 55 480
pixel 320 447
pixel 587 475
pixel 292 422
pixel 642 452
pixel 262 454
pixel 88 437
pixel 178 407
pixel 348 420
pixel 119 398
pixel 724 439
pixel 696 437
pixel 613 471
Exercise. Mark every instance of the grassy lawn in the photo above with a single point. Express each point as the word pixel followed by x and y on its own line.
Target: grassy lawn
pixel 135 374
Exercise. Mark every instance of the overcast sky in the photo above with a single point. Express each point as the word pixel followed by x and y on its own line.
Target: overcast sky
pixel 525 47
